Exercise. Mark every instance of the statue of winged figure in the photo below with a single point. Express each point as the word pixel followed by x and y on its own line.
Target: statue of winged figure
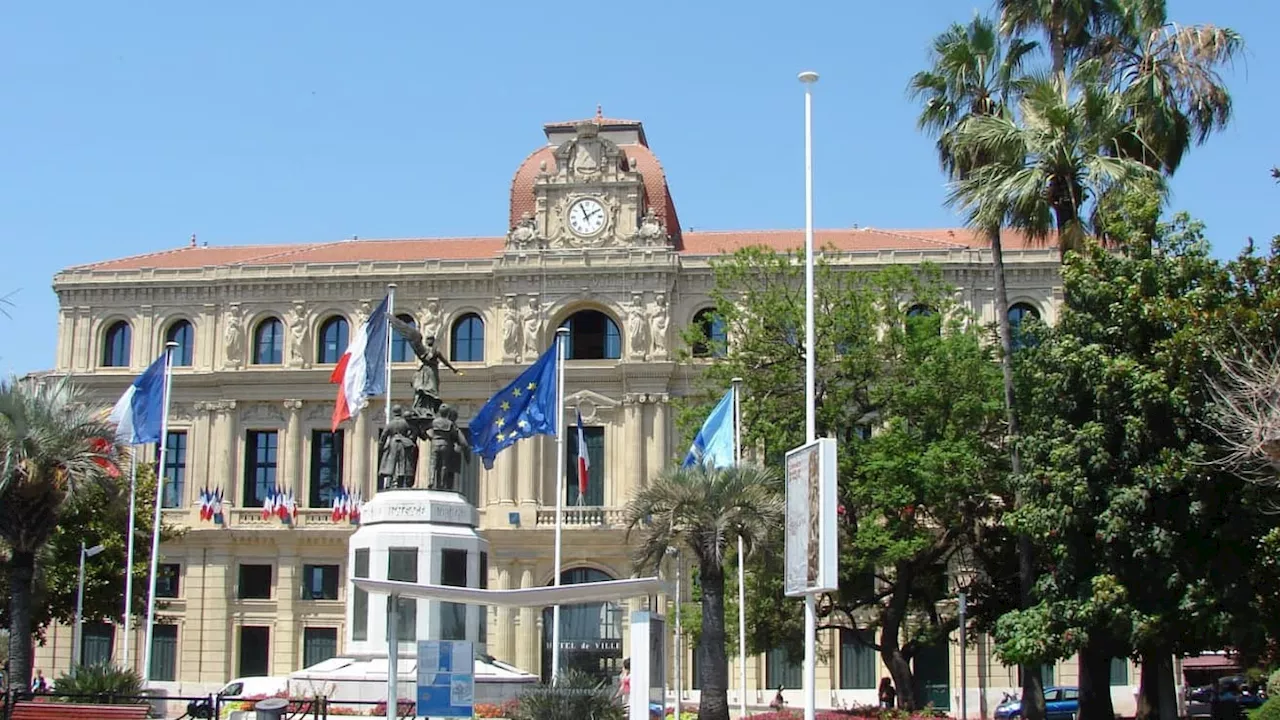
pixel 426 381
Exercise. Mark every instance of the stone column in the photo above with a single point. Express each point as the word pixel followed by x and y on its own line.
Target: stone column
pixel 661 449
pixel 635 454
pixel 230 442
pixel 216 638
pixel 360 455
pixel 145 347
pixel 525 475
pixel 505 464
pixel 286 658
pixel 506 631
pixel 527 640
pixel 293 449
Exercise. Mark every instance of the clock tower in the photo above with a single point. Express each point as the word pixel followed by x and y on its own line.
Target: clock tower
pixel 596 184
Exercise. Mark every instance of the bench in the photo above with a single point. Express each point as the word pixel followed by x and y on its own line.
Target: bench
pixel 68 711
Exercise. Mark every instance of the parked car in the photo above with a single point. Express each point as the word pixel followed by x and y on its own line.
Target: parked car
pixel 1060 703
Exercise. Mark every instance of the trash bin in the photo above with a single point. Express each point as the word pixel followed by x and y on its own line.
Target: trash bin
pixel 271 708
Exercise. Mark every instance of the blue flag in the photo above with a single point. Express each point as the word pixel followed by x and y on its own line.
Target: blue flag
pixel 139 412
pixel 525 408
pixel 713 445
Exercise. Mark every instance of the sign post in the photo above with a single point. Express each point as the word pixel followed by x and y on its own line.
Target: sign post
pixel 446 679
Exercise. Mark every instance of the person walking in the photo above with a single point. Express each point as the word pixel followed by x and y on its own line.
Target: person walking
pixel 888 696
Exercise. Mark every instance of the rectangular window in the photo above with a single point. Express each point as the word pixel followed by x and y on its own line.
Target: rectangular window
pixel 594 437
pixel 164 653
pixel 318 644
pixel 255 642
pixel 326 467
pixel 1119 671
pixel 1046 675
pixel 453 616
pixel 857 660
pixel 469 478
pixel 319 582
pixel 167 575
pixel 96 643
pixel 255 582
pixel 780 671
pixel 402 565
pixel 175 468
pixel 360 598
pixel 260 464
pixel 484 609
pixel 695 670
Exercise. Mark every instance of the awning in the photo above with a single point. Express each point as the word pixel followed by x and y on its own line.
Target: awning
pixel 1210 662
pixel 590 592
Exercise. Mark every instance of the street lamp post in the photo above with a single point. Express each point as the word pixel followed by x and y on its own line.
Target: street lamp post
pixel 808 78
pixel 679 653
pixel 85 552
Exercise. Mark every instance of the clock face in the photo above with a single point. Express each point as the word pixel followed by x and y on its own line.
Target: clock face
pixel 586 217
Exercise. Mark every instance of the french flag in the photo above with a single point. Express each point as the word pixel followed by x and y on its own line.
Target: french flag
pixel 362 370
pixel 584 464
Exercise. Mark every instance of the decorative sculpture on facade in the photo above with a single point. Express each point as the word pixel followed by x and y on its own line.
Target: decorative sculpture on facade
pixel 532 321
pixel 652 230
pixel 427 419
pixel 659 319
pixel 297 337
pixel 524 234
pixel 511 341
pixel 233 339
pixel 638 328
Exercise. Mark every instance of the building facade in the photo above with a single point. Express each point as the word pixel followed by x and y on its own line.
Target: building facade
pixel 595 245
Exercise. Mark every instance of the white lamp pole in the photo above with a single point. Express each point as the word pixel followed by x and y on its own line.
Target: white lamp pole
pixel 679 653
pixel 79 631
pixel 808 78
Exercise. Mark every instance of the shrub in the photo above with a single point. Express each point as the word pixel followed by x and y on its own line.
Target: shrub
pixel 100 684
pixel 490 710
pixel 1270 710
pixel 1273 685
pixel 406 707
pixel 575 697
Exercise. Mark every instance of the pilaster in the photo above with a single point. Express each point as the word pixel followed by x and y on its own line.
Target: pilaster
pixel 229 440
pixel 660 449
pixel 635 452
pixel 360 454
pixel 293 447
pixel 527 634
pixel 286 656
pixel 505 634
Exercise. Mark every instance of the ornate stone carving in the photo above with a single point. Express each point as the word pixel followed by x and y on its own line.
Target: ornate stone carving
pixel 263 412
pixel 214 406
pixel 652 230
pixel 233 337
pixel 292 406
pixel 431 318
pixel 525 234
pixel 659 320
pixel 637 328
pixel 511 344
pixel 531 319
pixel 297 320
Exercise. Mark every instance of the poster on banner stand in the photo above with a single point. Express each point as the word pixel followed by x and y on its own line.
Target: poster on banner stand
pixel 446 679
pixel 812 552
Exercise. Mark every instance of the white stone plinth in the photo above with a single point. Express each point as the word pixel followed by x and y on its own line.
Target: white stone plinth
pixel 428 523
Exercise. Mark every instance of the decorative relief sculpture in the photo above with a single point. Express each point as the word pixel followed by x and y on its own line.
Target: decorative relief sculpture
pixel 524 234
pixel 233 338
pixel 532 321
pixel 511 344
pixel 431 318
pixel 652 230
pixel 297 320
pixel 638 328
pixel 659 319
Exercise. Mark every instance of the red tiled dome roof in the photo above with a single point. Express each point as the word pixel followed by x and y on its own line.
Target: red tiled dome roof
pixel 657 194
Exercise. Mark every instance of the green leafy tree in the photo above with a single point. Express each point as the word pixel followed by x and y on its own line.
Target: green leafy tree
pixel 911 394
pixel 98 514
pixel 53 445
pixel 1145 537
pixel 702 511
pixel 975 72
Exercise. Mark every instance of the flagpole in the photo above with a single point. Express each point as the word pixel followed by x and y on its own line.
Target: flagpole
pixel 742 562
pixel 128 563
pixel 155 526
pixel 560 491
pixel 391 312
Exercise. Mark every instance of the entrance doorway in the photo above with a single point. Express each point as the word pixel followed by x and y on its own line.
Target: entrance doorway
pixel 933 675
pixel 590 634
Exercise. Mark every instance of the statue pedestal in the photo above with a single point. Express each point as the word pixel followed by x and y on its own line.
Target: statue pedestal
pixel 423 536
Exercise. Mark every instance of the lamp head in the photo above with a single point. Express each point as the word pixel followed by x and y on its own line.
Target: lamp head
pixel 90 552
pixel 808 77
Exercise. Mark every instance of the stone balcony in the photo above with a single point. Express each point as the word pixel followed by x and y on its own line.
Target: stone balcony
pixel 596 518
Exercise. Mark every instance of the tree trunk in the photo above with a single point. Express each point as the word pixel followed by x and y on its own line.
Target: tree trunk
pixel 1032 685
pixel 891 638
pixel 22 566
pixel 1157 698
pixel 1095 683
pixel 714 665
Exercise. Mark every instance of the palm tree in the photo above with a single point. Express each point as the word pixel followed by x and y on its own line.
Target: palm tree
pixel 703 511
pixel 975 73
pixel 1068 25
pixel 51 444
pixel 1168 75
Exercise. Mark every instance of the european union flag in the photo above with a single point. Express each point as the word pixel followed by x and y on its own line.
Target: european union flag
pixel 525 408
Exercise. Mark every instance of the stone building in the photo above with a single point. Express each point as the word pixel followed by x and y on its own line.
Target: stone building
pixel 595 244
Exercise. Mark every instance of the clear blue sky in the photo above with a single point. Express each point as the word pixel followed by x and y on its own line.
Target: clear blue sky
pixel 129 126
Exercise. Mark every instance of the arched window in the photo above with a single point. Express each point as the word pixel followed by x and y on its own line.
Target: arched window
pixel 116 343
pixel 401 350
pixel 712 328
pixel 592 336
pixel 593 631
pixel 467 339
pixel 924 320
pixel 182 333
pixel 268 342
pixel 333 340
pixel 1018 314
